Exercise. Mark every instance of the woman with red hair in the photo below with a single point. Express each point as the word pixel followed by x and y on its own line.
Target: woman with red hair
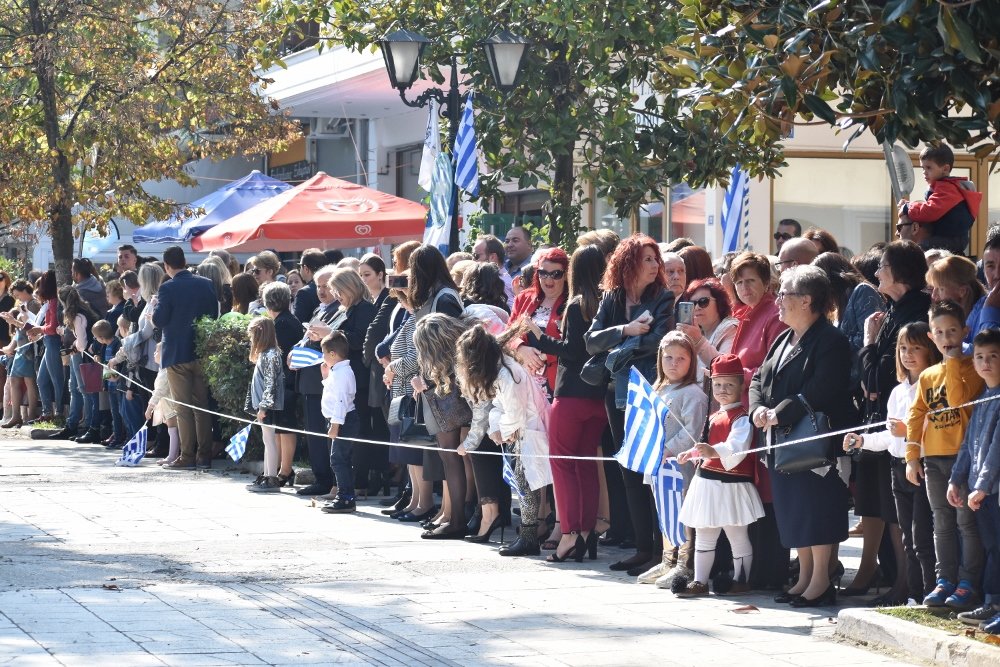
pixel 635 313
pixel 543 304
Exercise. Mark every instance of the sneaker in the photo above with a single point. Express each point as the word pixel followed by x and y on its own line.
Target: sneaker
pixel 652 574
pixel 667 580
pixel 341 506
pixel 256 482
pixel 938 596
pixel 694 589
pixel 992 626
pixel 976 617
pixel 267 485
pixel 964 597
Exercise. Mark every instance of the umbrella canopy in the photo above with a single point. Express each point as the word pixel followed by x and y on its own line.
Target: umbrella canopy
pixel 229 200
pixel 322 212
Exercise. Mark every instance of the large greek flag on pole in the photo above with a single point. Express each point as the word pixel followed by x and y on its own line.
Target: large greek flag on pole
pixel 736 212
pixel 466 152
pixel 438 228
pixel 134 449
pixel 645 413
pixel 668 489
pixel 432 147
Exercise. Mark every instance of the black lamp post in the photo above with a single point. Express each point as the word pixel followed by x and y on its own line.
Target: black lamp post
pixel 402 50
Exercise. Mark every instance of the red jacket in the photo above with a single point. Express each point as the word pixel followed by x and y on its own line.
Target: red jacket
pixel 944 209
pixel 758 328
pixel 525 304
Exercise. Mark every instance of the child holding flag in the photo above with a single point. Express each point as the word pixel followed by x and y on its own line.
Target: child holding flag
pixel 722 495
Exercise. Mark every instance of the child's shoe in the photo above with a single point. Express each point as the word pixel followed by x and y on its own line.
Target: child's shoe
pixel 667 580
pixel 940 594
pixel 340 505
pixel 693 590
pixel 964 597
pixel 979 616
pixel 652 574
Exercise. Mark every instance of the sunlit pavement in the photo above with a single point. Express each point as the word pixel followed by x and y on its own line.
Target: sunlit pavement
pixel 117 566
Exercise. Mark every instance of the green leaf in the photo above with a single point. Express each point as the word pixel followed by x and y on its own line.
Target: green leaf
pixel 819 107
pixel 896 8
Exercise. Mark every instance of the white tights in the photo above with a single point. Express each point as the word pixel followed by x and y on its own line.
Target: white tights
pixel 272 455
pixel 704 552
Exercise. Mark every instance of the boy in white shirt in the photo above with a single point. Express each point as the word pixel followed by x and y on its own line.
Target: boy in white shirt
pixel 337 404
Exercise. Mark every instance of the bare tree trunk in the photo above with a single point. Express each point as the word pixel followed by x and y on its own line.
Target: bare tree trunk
pixel 61 208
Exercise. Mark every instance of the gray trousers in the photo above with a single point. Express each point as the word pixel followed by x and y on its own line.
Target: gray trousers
pixel 952 525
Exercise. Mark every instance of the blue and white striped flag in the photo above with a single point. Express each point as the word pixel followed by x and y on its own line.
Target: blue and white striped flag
pixel 438 230
pixel 645 413
pixel 237 446
pixel 668 490
pixel 736 212
pixel 134 449
pixel 303 357
pixel 466 152
pixel 510 477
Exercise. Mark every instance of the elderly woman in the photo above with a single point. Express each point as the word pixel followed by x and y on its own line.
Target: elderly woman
pixel 277 298
pixel 756 311
pixel 808 363
pixel 954 278
pixel 636 311
pixel 901 280
pixel 713 329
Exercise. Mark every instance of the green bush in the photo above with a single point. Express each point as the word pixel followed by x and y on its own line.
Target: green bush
pixel 224 348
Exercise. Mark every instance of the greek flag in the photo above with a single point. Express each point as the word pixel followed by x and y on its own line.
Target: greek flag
pixel 645 413
pixel 438 228
pixel 303 357
pixel 466 153
pixel 432 147
pixel 134 449
pixel 668 489
pixel 510 477
pixel 237 446
pixel 736 211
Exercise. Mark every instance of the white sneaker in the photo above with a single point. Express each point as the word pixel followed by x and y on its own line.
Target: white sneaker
pixel 667 580
pixel 652 574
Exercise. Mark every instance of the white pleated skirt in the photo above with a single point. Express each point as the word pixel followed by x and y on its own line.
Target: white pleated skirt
pixel 713 504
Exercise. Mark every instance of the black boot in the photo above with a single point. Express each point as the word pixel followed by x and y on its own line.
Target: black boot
pixel 526 543
pixel 90 437
pixel 64 434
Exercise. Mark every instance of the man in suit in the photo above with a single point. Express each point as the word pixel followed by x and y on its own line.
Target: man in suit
pixel 180 302
pixel 309 385
pixel 306 300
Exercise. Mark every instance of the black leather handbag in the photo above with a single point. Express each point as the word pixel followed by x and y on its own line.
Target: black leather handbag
pixel 814 453
pixel 595 370
pixel 403 413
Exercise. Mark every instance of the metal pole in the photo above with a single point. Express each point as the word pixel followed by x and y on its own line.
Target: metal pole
pixel 453 120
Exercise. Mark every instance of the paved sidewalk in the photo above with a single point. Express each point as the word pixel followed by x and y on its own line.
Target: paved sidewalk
pixel 115 566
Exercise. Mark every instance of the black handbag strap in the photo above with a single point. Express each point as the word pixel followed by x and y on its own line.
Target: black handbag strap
pixel 812 413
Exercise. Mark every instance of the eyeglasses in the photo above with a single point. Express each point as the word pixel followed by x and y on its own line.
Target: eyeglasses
pixel 900 225
pixel 703 301
pixel 782 295
pixel 784 261
pixel 255 271
pixel 555 275
pixel 782 236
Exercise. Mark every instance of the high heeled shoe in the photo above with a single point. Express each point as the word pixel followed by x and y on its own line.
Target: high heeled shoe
pixel 575 552
pixel 858 591
pixel 445 534
pixel 786 597
pixel 287 480
pixel 591 543
pixel 485 537
pixel 410 517
pixel 825 599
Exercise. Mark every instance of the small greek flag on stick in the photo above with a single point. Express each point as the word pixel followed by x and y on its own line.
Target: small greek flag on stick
pixel 134 449
pixel 645 413
pixel 668 489
pixel 510 477
pixel 303 357
pixel 237 446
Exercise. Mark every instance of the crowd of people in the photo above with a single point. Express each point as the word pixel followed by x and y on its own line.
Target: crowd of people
pixel 525 352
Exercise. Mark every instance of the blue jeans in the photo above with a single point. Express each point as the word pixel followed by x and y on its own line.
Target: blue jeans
pixel 134 412
pixel 340 455
pixel 75 395
pixel 988 520
pixel 117 399
pixel 51 378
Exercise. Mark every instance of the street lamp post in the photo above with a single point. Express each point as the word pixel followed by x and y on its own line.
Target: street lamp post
pixel 402 50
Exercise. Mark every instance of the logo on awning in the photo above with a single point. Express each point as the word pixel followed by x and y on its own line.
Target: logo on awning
pixel 347 206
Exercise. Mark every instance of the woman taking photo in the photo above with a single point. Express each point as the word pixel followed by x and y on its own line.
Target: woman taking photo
pixel 578 416
pixel 635 313
pixel 811 361
pixel 712 329
pixel 901 280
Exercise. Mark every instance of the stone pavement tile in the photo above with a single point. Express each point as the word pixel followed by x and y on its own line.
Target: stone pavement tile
pixel 73 642
pixel 277 652
pixel 40 659
pixel 210 659
pixel 89 659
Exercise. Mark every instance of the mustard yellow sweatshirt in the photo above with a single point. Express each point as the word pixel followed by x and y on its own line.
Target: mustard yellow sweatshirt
pixel 952 382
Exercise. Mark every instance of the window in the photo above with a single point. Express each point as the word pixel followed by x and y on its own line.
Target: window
pixel 687 213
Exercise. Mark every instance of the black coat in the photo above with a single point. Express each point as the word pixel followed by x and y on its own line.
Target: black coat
pixel 309 380
pixel 288 331
pixel 819 369
pixel 377 331
pixel 878 360
pixel 306 302
pixel 354 326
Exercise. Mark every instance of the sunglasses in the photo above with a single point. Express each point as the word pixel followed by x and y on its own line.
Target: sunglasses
pixel 900 225
pixel 255 271
pixel 703 302
pixel 781 236
pixel 555 275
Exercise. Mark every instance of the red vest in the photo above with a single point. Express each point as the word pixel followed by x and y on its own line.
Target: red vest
pixel 718 430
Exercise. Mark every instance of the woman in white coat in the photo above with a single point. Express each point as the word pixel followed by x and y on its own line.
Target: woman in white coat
pixel 517 421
